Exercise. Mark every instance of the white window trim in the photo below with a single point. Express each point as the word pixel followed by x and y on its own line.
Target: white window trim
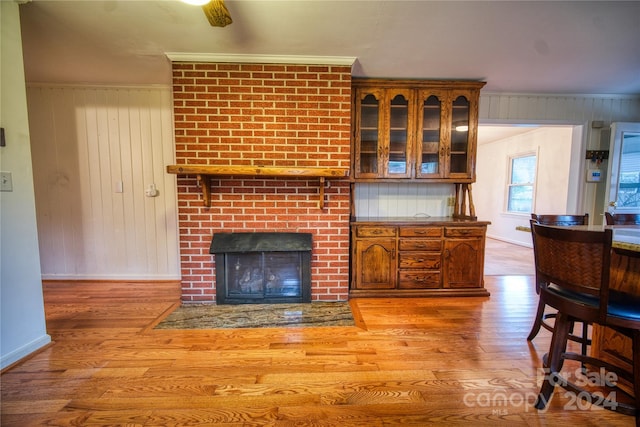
pixel 533 184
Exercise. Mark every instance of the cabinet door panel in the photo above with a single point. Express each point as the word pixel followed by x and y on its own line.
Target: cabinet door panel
pixel 368 122
pixel 462 263
pixel 396 155
pixel 375 264
pixel 432 134
pixel 459 137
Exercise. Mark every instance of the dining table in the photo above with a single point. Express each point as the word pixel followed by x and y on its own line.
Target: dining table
pixel 608 344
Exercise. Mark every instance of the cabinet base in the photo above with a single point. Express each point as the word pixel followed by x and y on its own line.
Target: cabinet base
pixel 418 293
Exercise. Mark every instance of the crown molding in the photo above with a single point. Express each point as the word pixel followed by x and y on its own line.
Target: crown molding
pixel 260 59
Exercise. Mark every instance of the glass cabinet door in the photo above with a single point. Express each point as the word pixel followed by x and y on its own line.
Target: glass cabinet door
pixel 368 135
pixel 459 151
pixel 396 154
pixel 430 150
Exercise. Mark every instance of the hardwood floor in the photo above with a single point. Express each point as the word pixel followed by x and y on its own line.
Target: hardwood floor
pixel 503 258
pixel 423 361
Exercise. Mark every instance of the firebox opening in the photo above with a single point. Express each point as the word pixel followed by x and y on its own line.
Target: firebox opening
pixel 262 267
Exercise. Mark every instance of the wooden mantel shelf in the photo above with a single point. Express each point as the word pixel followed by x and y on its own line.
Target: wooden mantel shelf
pixel 204 173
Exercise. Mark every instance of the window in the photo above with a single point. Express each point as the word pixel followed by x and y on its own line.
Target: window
pixel 522 176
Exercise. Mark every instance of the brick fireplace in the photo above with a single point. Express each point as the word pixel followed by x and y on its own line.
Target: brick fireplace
pixel 263 115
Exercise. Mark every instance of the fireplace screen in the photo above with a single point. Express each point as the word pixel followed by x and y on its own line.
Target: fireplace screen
pixel 262 267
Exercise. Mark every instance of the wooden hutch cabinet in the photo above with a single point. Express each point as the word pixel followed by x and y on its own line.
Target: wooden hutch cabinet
pixel 417 257
pixel 421 132
pixel 415 129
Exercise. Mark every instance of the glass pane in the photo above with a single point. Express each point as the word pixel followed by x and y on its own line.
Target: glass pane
pixel 523 170
pixel 369 111
pixel 460 125
pixel 399 120
pixel 431 111
pixel 520 198
pixel 260 274
pixel 429 163
pixel 282 275
pixel 458 163
pixel 431 119
pixel 629 179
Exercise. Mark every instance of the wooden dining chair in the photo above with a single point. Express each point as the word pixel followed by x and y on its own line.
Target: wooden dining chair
pixel 574 266
pixel 622 219
pixel 561 219
pixel 541 315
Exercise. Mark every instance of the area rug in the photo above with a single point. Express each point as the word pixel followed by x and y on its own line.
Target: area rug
pixel 210 316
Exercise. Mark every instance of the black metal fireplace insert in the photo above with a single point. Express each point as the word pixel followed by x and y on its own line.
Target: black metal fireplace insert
pixel 263 268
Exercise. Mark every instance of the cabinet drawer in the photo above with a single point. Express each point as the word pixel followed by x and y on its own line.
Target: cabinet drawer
pixel 420 231
pixel 419 260
pixel 463 231
pixel 416 279
pixel 375 231
pixel 433 245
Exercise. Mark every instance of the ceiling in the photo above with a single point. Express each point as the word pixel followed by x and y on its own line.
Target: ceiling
pixel 581 47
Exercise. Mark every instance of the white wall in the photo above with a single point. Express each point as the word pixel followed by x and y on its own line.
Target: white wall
pixel 23 328
pixel 553 147
pixel 96 149
pixel 579 110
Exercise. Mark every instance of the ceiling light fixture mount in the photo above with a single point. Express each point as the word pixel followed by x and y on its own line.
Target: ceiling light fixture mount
pixel 215 10
pixel 195 2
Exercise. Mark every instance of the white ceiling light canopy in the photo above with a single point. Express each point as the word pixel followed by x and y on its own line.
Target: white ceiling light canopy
pixel 195 2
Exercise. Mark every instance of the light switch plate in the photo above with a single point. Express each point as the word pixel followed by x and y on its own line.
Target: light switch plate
pixel 5 181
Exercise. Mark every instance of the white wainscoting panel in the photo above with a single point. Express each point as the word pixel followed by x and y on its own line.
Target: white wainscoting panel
pixel 573 109
pixel 389 199
pixel 95 152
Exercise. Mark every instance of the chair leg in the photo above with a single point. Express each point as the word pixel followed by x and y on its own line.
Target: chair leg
pixel 585 338
pixel 537 323
pixel 554 363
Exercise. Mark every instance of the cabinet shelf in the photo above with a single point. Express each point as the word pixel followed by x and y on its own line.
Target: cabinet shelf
pixel 205 172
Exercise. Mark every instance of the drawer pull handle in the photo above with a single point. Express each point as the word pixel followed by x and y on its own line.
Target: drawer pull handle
pixel 420 232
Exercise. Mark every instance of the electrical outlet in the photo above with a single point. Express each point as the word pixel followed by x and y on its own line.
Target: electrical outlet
pixel 5 181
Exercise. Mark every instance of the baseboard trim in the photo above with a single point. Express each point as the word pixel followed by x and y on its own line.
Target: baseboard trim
pixel 24 351
pixel 78 279
pixel 49 281
pixel 513 242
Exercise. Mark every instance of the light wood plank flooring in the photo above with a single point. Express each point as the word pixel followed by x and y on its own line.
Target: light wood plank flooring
pixel 420 362
pixel 503 258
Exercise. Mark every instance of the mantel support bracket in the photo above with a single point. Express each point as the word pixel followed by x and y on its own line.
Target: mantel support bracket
pixel 321 191
pixel 204 181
